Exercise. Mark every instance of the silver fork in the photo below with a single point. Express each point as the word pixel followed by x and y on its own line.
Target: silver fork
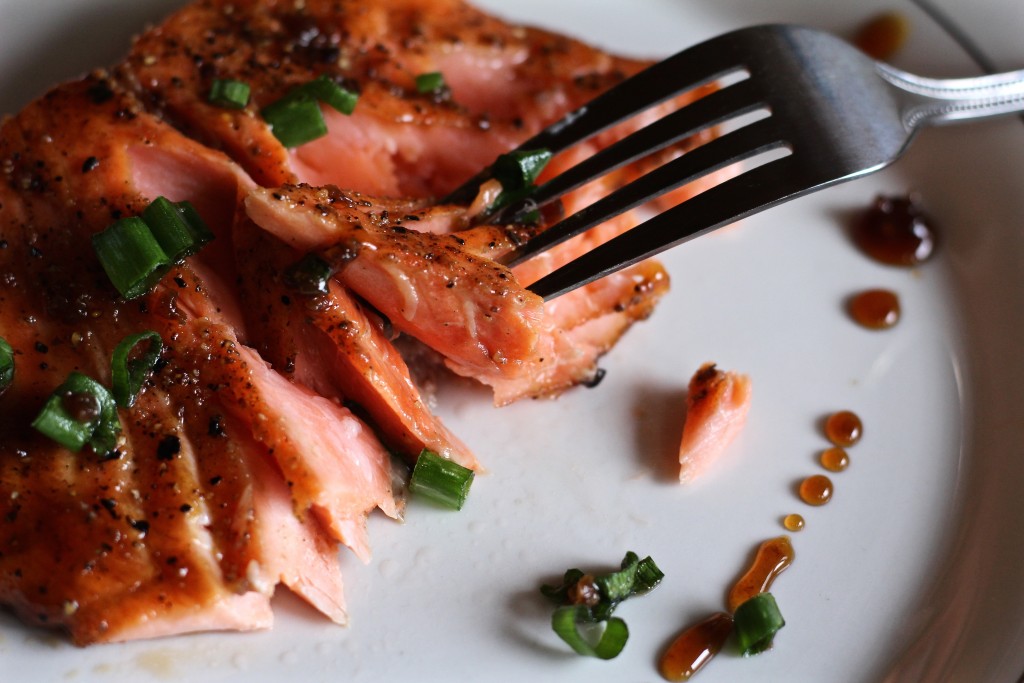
pixel 833 112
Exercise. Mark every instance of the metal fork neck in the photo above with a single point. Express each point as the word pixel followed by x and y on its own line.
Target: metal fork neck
pixel 933 101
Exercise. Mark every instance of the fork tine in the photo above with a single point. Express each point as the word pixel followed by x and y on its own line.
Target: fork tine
pixel 744 143
pixel 722 105
pixel 742 196
pixel 686 70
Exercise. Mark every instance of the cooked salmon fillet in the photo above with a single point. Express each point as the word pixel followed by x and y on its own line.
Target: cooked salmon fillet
pixel 264 436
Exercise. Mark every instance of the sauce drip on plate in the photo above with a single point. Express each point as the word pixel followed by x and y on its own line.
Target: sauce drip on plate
pixel 844 428
pixel 695 647
pixel 834 459
pixel 773 557
pixel 793 522
pixel 875 309
pixel 896 231
pixel 816 490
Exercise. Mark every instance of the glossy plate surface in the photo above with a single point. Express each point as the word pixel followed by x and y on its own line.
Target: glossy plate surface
pixel 911 573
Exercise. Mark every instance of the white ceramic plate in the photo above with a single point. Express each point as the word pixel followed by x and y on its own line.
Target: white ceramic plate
pixel 911 573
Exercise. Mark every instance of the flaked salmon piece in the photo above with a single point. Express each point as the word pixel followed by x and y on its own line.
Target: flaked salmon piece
pixel 292 549
pixel 469 309
pixel 716 410
pixel 331 461
pixel 582 326
pixel 559 357
pixel 258 537
pixel 568 340
pixel 336 347
pixel 344 467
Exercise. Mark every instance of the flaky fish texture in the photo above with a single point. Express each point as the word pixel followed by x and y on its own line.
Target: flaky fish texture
pixel 264 436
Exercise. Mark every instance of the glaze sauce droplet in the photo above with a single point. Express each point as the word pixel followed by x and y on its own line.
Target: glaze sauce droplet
pixel 895 231
pixel 834 459
pixel 793 522
pixel 875 309
pixel 772 558
pixel 695 647
pixel 844 428
pixel 883 35
pixel 816 489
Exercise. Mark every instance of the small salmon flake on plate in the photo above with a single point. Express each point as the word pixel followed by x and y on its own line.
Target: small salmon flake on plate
pixel 717 404
pixel 263 436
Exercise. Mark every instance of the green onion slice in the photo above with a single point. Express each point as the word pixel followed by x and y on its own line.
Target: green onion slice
pixel 756 622
pixel 127 376
pixel 229 93
pixel 6 365
pixel 517 172
pixel 331 94
pixel 131 256
pixel 137 252
pixel 566 622
pixel 295 120
pixel 430 82
pixel 177 228
pixel 98 428
pixel 441 481
pixel 635 578
pixel 201 233
pixel 309 275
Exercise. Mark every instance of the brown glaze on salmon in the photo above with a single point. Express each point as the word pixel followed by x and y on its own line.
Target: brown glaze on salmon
pixel 336 346
pixel 165 536
pixel 469 309
pixel 257 447
pixel 506 83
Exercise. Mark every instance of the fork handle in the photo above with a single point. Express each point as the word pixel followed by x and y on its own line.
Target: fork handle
pixel 934 101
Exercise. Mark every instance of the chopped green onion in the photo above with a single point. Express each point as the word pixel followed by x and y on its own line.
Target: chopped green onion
pixel 618 586
pixel 177 228
pixel 6 365
pixel 441 481
pixel 137 252
pixel 591 600
pixel 310 275
pixel 295 120
pixel 80 411
pixel 430 82
pixel 648 576
pixel 201 233
pixel 127 376
pixel 131 256
pixel 228 93
pixel 331 94
pixel 519 170
pixel 756 622
pixel 566 622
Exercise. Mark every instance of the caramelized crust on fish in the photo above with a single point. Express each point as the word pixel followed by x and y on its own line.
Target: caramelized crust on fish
pixel 506 83
pixel 263 437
